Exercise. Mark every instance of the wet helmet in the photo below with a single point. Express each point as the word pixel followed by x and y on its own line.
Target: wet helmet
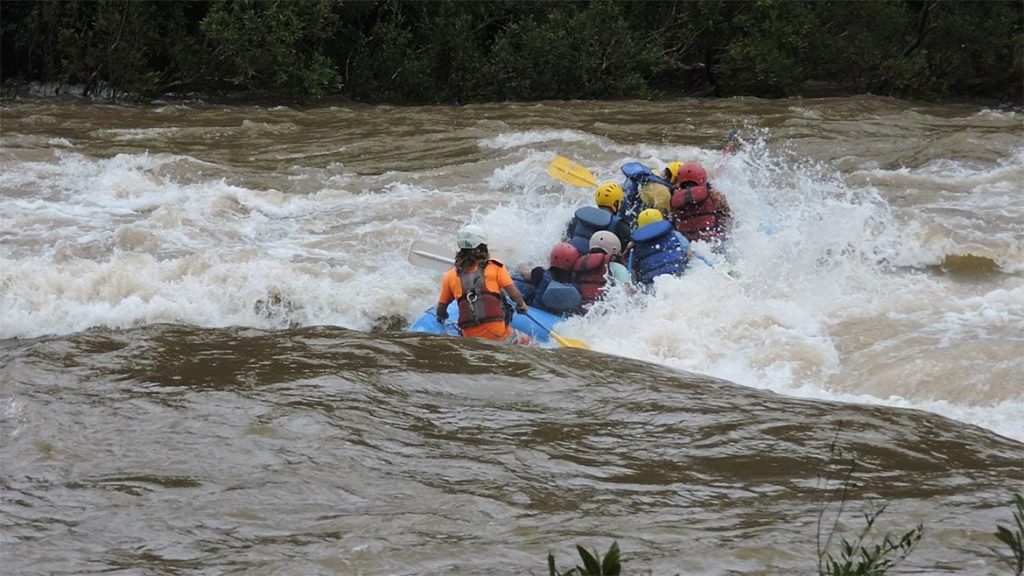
pixel 470 237
pixel 648 216
pixel 692 172
pixel 609 195
pixel 606 241
pixel 672 171
pixel 563 256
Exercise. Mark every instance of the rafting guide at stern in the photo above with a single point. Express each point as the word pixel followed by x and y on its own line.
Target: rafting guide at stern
pixel 479 284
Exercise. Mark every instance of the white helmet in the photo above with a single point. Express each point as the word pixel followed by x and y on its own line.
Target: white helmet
pixel 470 236
pixel 606 241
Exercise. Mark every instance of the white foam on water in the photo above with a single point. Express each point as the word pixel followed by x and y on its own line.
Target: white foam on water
pixel 517 139
pixel 831 301
pixel 819 261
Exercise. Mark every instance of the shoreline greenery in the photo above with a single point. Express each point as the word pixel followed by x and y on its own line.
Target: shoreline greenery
pixel 856 558
pixel 1013 537
pixel 863 555
pixel 450 51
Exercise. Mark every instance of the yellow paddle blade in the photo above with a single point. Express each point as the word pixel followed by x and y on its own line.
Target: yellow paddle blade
pixel 570 342
pixel 565 170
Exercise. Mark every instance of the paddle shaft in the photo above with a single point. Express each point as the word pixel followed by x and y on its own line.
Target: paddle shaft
pixel 733 137
pixel 561 341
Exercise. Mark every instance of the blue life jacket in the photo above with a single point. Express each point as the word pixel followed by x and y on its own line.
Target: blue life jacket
pixel 526 288
pixel 588 220
pixel 636 176
pixel 558 297
pixel 657 250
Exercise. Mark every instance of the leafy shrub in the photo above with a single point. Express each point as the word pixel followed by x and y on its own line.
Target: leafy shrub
pixel 593 564
pixel 1015 538
pixel 273 45
pixel 863 555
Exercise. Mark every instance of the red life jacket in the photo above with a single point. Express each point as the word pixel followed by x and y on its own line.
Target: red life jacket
pixel 695 213
pixel 477 305
pixel 591 274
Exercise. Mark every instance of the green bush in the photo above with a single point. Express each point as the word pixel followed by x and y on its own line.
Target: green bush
pixel 1014 538
pixel 276 46
pixel 570 54
pixel 457 51
pixel 593 563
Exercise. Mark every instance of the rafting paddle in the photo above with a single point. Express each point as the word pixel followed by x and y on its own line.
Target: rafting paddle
pixel 730 144
pixel 565 170
pixel 427 255
pixel 566 342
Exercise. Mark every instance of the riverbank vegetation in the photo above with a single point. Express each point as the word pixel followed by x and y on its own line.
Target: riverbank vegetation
pixel 448 51
pixel 858 557
pixel 869 552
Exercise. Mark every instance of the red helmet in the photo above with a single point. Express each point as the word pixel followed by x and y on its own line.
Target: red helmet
pixel 692 172
pixel 564 256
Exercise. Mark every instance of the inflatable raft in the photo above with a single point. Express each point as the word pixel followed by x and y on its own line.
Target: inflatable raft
pixel 539 328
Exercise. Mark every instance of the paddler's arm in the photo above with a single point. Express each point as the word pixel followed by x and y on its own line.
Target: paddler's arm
pixel 517 297
pixel 446 297
pixel 505 283
pixel 442 311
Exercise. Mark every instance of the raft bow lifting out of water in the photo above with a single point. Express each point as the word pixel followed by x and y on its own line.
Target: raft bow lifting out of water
pixel 538 323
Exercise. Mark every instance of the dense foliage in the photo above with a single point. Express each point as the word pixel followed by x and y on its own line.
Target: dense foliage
pixel 460 51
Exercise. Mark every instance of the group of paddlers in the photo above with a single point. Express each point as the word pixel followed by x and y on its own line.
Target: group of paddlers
pixel 635 232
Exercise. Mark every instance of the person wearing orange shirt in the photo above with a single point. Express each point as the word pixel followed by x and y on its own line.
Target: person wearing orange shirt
pixel 479 284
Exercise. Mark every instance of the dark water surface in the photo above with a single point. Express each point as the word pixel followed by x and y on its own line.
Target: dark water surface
pixel 169 449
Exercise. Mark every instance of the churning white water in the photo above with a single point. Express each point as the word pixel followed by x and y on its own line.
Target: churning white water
pixel 876 256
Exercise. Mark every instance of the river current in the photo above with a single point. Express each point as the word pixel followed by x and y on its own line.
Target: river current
pixel 204 366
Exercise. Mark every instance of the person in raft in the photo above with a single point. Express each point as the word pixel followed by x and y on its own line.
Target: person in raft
pixel 643 189
pixel 604 216
pixel 599 267
pixel 659 249
pixel 553 289
pixel 479 284
pixel 698 210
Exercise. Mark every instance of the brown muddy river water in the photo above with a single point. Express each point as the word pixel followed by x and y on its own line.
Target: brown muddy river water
pixel 205 366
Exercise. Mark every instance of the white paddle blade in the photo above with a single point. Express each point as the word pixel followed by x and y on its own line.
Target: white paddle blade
pixel 439 257
pixel 428 255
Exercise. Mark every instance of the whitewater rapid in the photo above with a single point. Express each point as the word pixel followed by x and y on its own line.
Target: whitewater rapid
pixel 847 280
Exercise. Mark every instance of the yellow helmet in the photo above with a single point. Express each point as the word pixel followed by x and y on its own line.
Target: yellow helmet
pixel 656 195
pixel 648 216
pixel 672 171
pixel 609 195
